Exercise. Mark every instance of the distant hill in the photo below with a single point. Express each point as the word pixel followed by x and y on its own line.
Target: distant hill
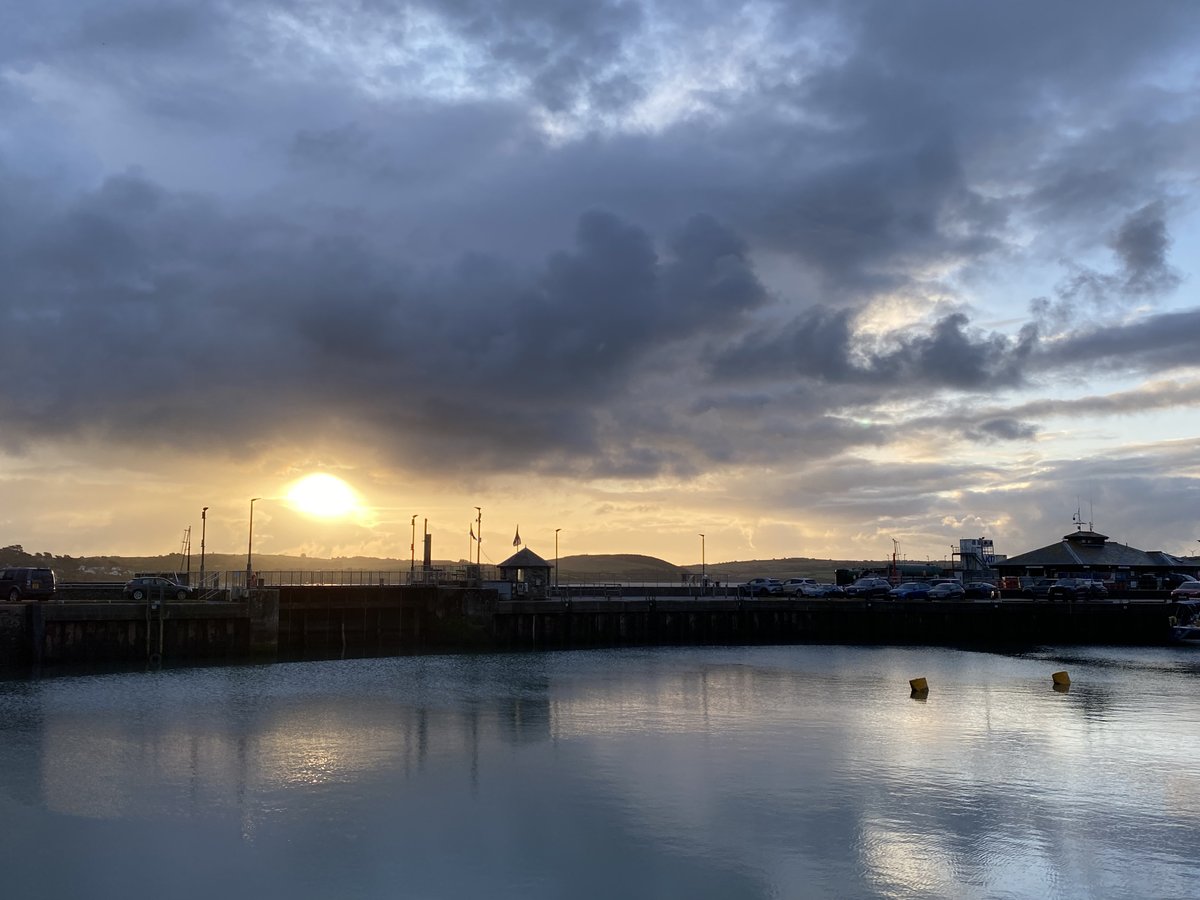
pixel 634 567
pixel 579 567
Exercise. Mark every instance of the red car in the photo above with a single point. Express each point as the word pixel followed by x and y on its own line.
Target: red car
pixel 1189 590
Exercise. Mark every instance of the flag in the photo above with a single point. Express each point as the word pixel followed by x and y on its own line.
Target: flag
pixel 473 533
pixel 517 537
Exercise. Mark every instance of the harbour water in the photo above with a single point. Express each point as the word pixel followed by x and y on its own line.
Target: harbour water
pixel 747 772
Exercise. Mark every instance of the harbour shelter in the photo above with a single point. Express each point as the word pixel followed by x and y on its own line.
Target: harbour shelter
pixel 1088 554
pixel 528 573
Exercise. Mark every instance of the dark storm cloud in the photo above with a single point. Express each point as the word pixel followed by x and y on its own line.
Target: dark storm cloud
pixel 155 290
pixel 302 217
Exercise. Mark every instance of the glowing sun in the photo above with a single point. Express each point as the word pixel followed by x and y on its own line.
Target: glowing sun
pixel 322 495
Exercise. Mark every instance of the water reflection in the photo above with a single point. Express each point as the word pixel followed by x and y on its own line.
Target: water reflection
pixel 707 772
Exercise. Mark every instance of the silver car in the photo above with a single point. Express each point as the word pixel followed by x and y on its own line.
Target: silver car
pixel 156 587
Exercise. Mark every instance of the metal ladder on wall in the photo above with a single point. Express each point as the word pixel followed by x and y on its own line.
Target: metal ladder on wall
pixel 156 613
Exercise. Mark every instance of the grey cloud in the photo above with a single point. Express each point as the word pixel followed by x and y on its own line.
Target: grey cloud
pixel 1154 343
pixel 1006 429
pixel 820 344
pixel 1141 243
pixel 562 48
pixel 1025 421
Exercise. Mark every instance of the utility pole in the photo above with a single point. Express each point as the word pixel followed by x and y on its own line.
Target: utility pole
pixel 478 533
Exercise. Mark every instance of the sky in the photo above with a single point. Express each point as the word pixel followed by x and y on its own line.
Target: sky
pixel 820 279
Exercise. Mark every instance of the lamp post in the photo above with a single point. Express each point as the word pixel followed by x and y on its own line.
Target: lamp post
pixel 412 549
pixel 703 569
pixel 203 526
pixel 250 545
pixel 478 533
pixel 556 531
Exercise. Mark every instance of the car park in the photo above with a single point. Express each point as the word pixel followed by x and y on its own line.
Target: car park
pixel 946 590
pixel 155 587
pixel 981 590
pixel 870 587
pixel 762 587
pixel 27 583
pixel 1077 589
pixel 910 590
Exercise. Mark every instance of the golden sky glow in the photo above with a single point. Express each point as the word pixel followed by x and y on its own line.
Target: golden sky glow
pixel 323 495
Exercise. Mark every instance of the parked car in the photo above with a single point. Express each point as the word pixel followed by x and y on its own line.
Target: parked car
pixel 27 582
pixel 1039 589
pixel 795 587
pixel 1166 582
pixel 1077 589
pixel 911 590
pixel 981 590
pixel 947 590
pixel 1189 590
pixel 869 587
pixel 762 587
pixel 823 590
pixel 156 587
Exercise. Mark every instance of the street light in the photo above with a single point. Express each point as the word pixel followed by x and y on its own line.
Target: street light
pixel 250 545
pixel 203 525
pixel 703 570
pixel 412 549
pixel 556 531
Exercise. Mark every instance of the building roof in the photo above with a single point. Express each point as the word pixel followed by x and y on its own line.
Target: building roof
pixel 1090 549
pixel 524 559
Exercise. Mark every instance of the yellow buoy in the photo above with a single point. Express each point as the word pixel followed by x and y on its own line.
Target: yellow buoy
pixel 1061 678
pixel 919 685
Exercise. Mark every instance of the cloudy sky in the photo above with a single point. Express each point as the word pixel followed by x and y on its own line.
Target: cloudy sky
pixel 805 277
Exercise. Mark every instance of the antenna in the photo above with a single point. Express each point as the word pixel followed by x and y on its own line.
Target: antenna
pixel 185 549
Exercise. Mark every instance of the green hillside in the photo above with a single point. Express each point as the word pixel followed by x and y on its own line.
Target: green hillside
pixel 579 567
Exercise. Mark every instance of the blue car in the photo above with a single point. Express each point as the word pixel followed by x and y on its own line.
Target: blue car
pixel 910 590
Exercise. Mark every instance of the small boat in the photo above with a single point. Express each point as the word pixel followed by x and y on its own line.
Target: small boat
pixel 1185 624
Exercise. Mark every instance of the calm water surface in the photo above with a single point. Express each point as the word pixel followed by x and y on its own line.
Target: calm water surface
pixel 710 772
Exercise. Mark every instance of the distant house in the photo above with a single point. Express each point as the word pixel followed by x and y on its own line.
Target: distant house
pixel 1088 553
pixel 527 572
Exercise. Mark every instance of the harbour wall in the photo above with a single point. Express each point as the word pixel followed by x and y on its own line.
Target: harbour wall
pixel 582 623
pixel 326 621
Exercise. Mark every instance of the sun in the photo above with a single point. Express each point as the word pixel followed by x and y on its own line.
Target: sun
pixel 322 495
